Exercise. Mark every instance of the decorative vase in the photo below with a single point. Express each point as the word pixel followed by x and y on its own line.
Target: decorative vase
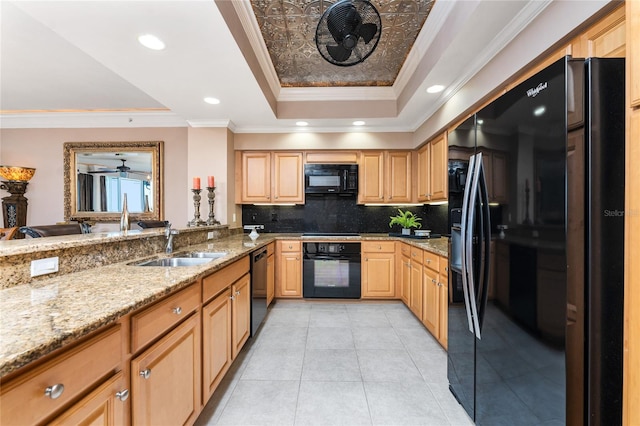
pixel 406 231
pixel 254 234
pixel 124 217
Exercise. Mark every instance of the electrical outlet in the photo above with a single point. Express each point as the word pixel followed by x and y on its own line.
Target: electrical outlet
pixel 234 218
pixel 210 235
pixel 44 266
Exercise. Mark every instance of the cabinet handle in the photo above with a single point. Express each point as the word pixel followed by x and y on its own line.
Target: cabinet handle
pixel 177 310
pixel 123 395
pixel 379 247
pixel 433 281
pixel 428 260
pixel 290 246
pixel 145 373
pixel 366 259
pixel 55 391
pixel 276 197
pixel 237 292
pixel 297 258
pixel 382 197
pixel 232 297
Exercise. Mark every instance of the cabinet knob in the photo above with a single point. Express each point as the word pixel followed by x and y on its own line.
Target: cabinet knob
pixel 290 246
pixel 55 391
pixel 297 258
pixel 428 260
pixel 379 247
pixel 123 395
pixel 366 259
pixel 177 310
pixel 276 197
pixel 433 281
pixel 237 292
pixel 382 197
pixel 146 373
pixel 232 297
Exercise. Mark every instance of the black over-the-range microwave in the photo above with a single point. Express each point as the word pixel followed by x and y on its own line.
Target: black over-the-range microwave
pixel 339 179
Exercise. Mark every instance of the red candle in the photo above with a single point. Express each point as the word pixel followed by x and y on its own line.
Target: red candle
pixel 210 181
pixel 196 183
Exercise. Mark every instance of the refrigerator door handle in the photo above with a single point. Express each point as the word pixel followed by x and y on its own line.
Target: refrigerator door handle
pixel 463 231
pixel 485 247
pixel 473 191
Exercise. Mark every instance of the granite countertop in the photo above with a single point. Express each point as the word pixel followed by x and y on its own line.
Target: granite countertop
pixel 38 318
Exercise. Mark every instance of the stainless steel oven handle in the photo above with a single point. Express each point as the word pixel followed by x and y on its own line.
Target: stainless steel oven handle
pixel 463 233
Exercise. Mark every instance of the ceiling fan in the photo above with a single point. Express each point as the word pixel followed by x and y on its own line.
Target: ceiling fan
pixel 348 32
pixel 123 170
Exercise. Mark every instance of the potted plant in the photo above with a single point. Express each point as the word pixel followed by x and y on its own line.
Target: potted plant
pixel 407 220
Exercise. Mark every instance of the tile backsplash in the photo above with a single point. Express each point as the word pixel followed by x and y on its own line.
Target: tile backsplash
pixel 332 213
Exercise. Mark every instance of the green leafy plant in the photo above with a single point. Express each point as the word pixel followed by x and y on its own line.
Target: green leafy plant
pixel 405 219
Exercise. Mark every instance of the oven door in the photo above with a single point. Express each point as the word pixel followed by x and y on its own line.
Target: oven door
pixel 331 276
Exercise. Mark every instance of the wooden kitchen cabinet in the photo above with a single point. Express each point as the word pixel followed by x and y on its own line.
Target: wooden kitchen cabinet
pixel 289 270
pixel 404 272
pixel 225 321
pixel 432 171
pixel 240 314
pixel 216 342
pixel 69 376
pixel 269 177
pixel 443 303
pixel 431 297
pixel 104 406
pixel 271 273
pixel 415 292
pixel 378 269
pixel 165 379
pixel 633 58
pixel 384 177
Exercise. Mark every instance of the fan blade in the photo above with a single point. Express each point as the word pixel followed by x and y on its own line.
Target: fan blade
pixel 368 31
pixel 338 53
pixel 342 20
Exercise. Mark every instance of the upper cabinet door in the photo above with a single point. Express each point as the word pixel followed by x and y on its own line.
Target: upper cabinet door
pixel 371 185
pixel 633 58
pixel 398 177
pixel 287 177
pixel 424 174
pixel 439 170
pixel 256 177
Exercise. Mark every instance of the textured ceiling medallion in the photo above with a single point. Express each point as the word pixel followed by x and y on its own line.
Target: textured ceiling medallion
pixel 289 26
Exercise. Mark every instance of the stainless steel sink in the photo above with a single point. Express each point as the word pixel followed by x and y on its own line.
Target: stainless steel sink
pixel 205 254
pixel 176 261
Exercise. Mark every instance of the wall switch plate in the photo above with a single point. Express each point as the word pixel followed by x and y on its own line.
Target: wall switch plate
pixel 210 235
pixel 44 266
pixel 234 218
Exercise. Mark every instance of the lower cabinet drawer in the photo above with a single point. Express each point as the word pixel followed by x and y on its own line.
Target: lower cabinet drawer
pixel 150 323
pixel 378 246
pixel 36 395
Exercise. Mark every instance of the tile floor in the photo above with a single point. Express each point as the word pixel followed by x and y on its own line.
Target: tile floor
pixel 337 363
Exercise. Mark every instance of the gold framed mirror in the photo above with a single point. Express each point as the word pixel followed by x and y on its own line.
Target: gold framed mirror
pixel 98 174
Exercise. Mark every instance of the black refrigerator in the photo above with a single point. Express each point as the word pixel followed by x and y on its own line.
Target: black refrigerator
pixel 537 229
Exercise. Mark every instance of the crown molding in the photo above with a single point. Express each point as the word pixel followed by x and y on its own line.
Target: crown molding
pixel 213 123
pixel 59 120
pixel 249 23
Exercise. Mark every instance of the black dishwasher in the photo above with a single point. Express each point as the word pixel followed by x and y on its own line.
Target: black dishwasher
pixel 258 288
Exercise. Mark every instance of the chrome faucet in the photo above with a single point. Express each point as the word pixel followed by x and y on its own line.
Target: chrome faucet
pixel 169 234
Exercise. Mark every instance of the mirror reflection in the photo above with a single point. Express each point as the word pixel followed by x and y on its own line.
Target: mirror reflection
pixel 104 178
pixel 98 175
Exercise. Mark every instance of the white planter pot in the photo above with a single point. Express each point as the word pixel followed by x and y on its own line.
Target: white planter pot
pixel 406 231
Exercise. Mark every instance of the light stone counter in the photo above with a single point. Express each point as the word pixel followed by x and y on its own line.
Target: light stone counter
pixel 42 316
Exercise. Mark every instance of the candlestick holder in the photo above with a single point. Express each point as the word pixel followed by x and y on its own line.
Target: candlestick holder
pixel 212 198
pixel 196 205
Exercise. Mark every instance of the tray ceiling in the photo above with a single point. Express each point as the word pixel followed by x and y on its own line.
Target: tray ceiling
pixel 289 26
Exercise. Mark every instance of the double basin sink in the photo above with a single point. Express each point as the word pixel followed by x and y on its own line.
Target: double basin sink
pixel 184 259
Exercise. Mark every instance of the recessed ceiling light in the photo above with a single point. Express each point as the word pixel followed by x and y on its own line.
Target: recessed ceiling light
pixel 212 101
pixel 150 41
pixel 358 123
pixel 436 88
pixel 539 111
pixel 301 123
pixel 480 121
